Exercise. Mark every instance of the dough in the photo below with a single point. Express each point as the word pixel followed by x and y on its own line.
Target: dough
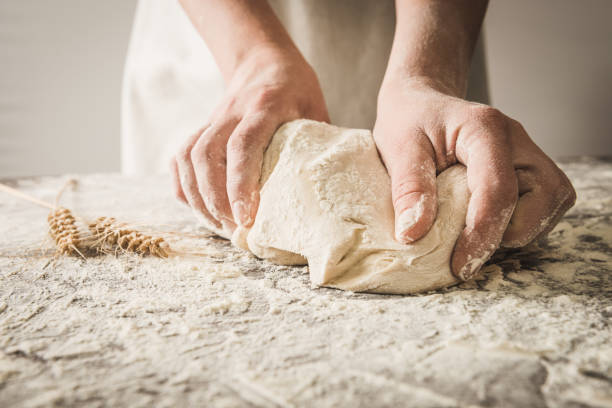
pixel 326 201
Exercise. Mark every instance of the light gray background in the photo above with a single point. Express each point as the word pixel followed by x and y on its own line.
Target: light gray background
pixel 550 66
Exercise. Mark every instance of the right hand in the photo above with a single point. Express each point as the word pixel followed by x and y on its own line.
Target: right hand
pixel 217 169
pixel 518 194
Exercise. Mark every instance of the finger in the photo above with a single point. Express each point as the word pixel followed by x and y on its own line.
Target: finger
pixel 208 157
pixel 413 186
pixel 245 150
pixel 176 182
pixel 484 148
pixel 188 179
pixel 568 199
pixel 545 195
pixel 554 219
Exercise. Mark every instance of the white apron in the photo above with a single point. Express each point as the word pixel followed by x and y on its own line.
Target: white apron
pixel 171 83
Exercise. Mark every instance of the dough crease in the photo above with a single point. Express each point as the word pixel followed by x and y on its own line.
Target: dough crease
pixel 326 201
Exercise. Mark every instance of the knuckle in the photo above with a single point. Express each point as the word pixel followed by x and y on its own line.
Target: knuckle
pixel 183 155
pixel 485 127
pixel 241 145
pixel 487 114
pixel 555 183
pixel 225 109
pixel 265 97
pixel 490 118
pixel 572 197
pixel 197 154
pixel 236 144
pixel 517 126
pixel 565 193
pixel 229 106
pixel 204 151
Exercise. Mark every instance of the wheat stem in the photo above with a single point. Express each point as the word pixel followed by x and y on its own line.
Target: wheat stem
pixel 17 193
pixel 108 235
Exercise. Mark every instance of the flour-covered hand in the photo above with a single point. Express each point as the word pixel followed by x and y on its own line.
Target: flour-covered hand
pixel 217 169
pixel 517 192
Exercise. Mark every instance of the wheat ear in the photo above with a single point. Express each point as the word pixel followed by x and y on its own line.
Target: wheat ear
pixel 107 234
pixel 62 226
pixel 64 231
pixel 112 236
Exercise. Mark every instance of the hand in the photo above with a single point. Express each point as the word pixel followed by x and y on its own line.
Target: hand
pixel 217 169
pixel 518 194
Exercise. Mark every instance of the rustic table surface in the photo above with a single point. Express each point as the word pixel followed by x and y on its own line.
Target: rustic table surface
pixel 225 329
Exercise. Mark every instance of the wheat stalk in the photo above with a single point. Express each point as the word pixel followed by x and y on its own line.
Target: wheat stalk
pixel 62 225
pixel 107 234
pixel 64 231
pixel 111 236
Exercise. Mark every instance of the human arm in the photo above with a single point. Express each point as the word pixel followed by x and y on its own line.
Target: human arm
pixel 424 126
pixel 268 82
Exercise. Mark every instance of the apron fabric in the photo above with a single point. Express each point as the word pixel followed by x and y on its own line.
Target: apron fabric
pixel 171 83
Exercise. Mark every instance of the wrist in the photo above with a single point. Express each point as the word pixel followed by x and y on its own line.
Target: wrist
pixel 443 78
pixel 434 42
pixel 263 55
pixel 406 82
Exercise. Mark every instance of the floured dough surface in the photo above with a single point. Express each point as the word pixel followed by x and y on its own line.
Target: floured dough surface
pixel 326 201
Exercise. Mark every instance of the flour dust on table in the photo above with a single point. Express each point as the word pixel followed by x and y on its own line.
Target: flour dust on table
pixel 228 329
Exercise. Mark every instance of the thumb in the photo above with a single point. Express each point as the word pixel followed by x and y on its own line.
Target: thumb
pixel 413 188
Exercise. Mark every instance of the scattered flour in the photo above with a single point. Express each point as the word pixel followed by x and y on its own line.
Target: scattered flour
pixel 233 303
pixel 141 332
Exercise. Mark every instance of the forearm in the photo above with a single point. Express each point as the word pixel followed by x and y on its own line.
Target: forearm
pixel 235 29
pixel 434 41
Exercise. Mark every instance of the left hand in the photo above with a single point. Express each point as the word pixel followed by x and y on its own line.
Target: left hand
pixel 216 171
pixel 518 194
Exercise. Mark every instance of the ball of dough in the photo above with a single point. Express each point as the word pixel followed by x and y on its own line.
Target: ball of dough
pixel 326 201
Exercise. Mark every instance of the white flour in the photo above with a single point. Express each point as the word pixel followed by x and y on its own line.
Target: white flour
pixel 228 330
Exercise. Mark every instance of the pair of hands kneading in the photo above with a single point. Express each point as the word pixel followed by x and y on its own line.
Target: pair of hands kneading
pixel 423 127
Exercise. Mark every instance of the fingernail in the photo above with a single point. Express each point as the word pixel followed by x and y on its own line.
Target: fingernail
pixel 472 266
pixel 242 212
pixel 469 269
pixel 407 220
